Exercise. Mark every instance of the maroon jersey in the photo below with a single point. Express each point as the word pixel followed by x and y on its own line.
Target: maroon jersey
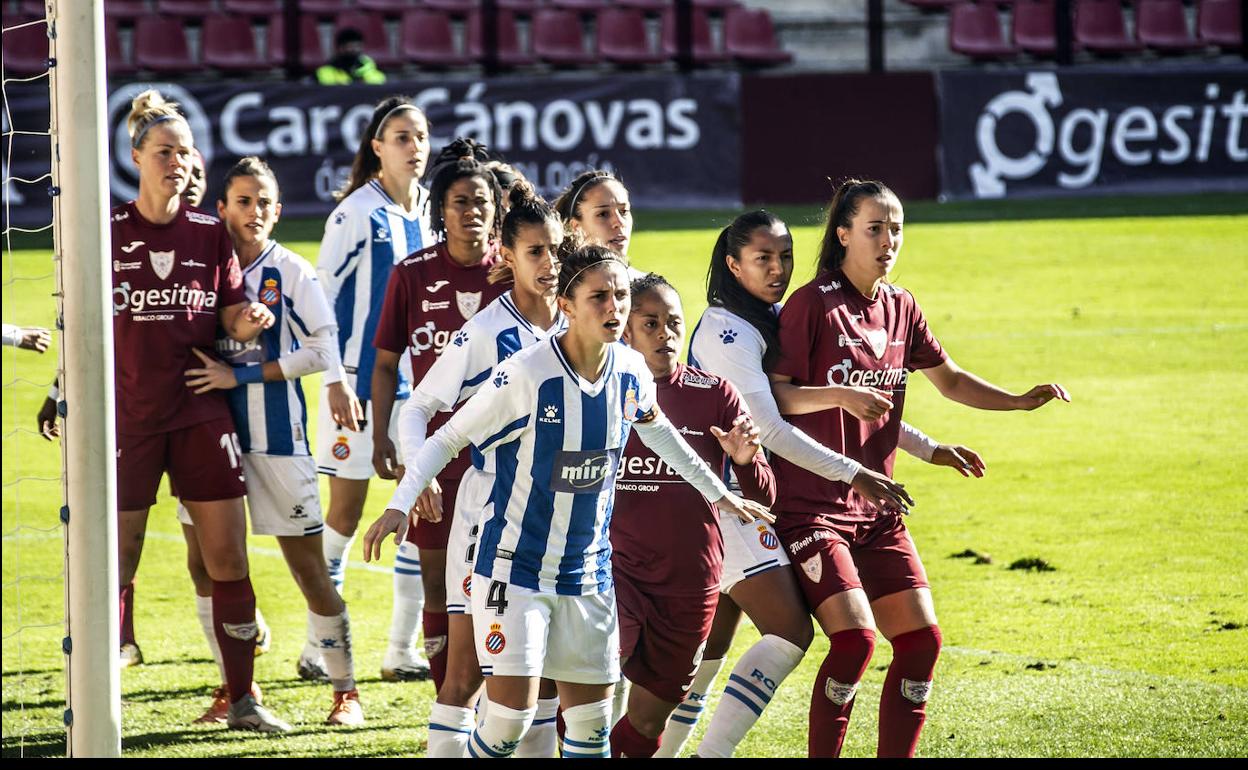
pixel 664 534
pixel 428 298
pixel 169 283
pixel 832 335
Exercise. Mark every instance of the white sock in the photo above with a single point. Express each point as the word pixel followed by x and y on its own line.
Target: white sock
pixel 749 689
pixel 409 597
pixel 587 734
pixel 542 739
pixel 483 706
pixel 332 636
pixel 203 608
pixel 335 545
pixel 449 730
pixel 501 732
pixel 619 701
pixel 689 710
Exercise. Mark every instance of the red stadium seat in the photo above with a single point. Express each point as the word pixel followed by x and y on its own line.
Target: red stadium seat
pixel 115 61
pixel 311 54
pixel 185 9
pixel 581 6
pixel 559 39
pixel 229 44
pixel 34 8
pixel 392 8
pixel 376 41
pixel 704 51
pixel 426 39
pixel 751 39
pixel 1162 26
pixel 649 6
pixel 255 9
pixel 1100 27
pixel 1219 22
pixel 125 9
pixel 322 8
pixel 622 38
pixel 510 53
pixel 26 47
pixel 160 46
pixel 526 7
pixel 1032 27
pixel 456 7
pixel 975 31
pixel 716 5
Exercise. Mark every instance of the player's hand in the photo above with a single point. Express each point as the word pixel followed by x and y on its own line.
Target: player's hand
pixel 257 316
pixel 866 404
pixel 429 504
pixel 385 457
pixel 47 419
pixel 882 491
pixel 962 459
pixel 741 442
pixel 1041 395
pixel 344 406
pixel 35 338
pixel 745 510
pixel 390 521
pixel 214 376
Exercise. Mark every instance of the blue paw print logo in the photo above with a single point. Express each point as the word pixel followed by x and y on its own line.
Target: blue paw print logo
pixel 729 336
pixel 601 734
pixel 329 644
pixel 459 339
pixel 500 380
pixel 506 747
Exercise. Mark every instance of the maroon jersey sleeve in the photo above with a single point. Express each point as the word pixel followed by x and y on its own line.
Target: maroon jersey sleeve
pixel 757 481
pixel 231 288
pixel 801 326
pixel 391 332
pixel 925 350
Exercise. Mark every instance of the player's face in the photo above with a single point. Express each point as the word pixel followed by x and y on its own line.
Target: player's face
pixel 873 239
pixel 656 329
pixel 250 210
pixel 606 218
pixel 198 184
pixel 533 261
pixel 404 146
pixel 765 264
pixel 164 160
pixel 598 307
pixel 468 210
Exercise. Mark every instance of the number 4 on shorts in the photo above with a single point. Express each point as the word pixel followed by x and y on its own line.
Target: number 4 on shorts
pixel 496 598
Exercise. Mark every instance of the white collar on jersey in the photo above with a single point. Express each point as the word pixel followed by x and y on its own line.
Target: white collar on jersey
pixel 509 305
pixel 589 388
pixel 422 199
pixel 263 256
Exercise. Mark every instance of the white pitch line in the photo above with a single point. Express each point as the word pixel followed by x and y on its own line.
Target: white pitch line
pixel 1113 331
pixel 260 550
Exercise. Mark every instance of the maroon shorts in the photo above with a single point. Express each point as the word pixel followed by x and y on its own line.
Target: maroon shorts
pixel 204 462
pixel 662 637
pixel 427 534
pixel 831 556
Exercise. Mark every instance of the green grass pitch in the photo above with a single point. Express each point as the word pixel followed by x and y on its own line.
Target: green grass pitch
pixel 1133 645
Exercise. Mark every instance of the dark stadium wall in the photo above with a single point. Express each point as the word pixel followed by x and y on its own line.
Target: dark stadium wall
pixel 799 130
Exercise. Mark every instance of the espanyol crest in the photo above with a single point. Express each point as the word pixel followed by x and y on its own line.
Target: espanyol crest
pixel 162 263
pixel 469 302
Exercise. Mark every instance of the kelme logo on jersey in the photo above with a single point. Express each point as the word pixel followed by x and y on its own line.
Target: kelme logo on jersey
pixel 887 378
pixel 582 472
pixel 495 642
pixel 269 293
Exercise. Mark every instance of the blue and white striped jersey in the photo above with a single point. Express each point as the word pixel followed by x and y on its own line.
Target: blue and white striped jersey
pixel 488 338
pixel 556 441
pixel 271 417
pixel 365 237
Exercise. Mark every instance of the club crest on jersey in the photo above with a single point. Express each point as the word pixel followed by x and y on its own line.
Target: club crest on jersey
pixel 495 641
pixel 631 406
pixel 813 567
pixel 768 539
pixel 162 263
pixel 269 293
pixel 877 339
pixel 340 449
pixel 469 302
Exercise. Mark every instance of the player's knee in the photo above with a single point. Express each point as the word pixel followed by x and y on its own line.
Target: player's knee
pixel 801 634
pixel 587 730
pixel 854 646
pixel 228 567
pixel 501 731
pixel 649 725
pixel 919 648
pixel 199 575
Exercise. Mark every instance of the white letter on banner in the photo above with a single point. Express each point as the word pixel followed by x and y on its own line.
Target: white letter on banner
pixel 604 128
pixel 291 138
pixel 320 119
pixel 1182 142
pixel 550 122
pixel 236 144
pixel 645 132
pixel 507 112
pixel 1235 112
pixel 1135 124
pixel 680 118
pixel 1090 158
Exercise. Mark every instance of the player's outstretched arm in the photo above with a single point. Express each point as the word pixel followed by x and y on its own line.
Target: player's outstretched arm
pixel 957 384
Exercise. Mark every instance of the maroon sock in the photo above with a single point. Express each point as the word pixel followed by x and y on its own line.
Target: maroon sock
pixel 903 704
pixel 833 697
pixel 626 741
pixel 434 625
pixel 234 621
pixel 561 727
pixel 126 605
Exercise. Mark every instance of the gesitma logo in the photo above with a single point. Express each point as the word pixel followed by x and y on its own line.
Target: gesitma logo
pixel 1042 93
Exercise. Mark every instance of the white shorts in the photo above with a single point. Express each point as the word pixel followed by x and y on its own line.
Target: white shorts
pixel 520 632
pixel 749 549
pixel 346 453
pixel 282 496
pixel 461 548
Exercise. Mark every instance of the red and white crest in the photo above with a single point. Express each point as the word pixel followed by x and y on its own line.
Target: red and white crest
pixel 468 302
pixel 877 339
pixel 813 567
pixel 162 263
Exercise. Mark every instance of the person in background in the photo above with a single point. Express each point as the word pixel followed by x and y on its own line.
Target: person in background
pixel 349 64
